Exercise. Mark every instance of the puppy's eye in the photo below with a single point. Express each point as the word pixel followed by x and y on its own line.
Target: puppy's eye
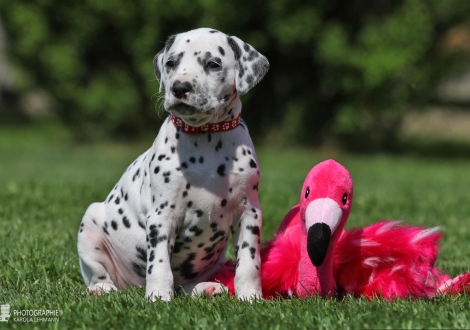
pixel 307 192
pixel 170 64
pixel 212 65
pixel 345 198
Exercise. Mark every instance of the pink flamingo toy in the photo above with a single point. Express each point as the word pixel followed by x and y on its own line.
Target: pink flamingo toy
pixel 311 254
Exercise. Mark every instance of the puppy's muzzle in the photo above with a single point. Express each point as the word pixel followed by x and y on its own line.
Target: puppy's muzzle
pixel 181 89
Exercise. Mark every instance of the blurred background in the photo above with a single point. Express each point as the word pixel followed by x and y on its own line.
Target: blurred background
pixel 362 76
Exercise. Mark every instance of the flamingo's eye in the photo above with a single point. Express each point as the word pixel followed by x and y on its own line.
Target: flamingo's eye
pixel 345 198
pixel 307 192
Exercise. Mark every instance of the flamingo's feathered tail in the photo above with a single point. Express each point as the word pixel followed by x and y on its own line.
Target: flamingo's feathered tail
pixel 391 260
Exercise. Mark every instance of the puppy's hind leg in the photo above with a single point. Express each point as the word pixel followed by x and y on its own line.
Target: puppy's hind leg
pixel 95 261
pixel 209 289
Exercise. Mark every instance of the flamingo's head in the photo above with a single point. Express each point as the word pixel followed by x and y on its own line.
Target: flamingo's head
pixel 325 203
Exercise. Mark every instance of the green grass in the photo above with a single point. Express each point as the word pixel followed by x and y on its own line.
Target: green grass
pixel 46 183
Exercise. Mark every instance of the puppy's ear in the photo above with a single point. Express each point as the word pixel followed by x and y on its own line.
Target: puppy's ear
pixel 251 65
pixel 158 65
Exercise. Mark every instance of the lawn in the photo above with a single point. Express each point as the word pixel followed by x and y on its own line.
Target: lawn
pixel 47 182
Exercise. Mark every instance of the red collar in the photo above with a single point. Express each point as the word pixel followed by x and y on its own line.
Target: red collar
pixel 222 126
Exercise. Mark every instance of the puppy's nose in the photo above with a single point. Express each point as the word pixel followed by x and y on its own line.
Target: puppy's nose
pixel 180 89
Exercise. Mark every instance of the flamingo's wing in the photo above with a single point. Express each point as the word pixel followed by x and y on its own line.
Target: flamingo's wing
pixel 389 260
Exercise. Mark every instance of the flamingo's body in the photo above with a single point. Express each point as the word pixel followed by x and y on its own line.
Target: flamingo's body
pixel 311 254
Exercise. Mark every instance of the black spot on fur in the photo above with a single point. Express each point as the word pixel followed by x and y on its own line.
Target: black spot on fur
pixel 245 244
pixel 126 222
pixel 160 157
pixel 201 159
pixel 156 170
pixel 110 198
pixel 101 277
pixel 141 253
pixel 218 234
pixel 221 51
pixel 189 204
pixel 178 246
pixel 209 137
pixel 223 203
pixel 221 170
pixel 253 163
pixel 185 193
pixel 154 237
pixel 105 230
pixel 166 175
pixel 249 80
pixel 117 200
pixel 199 213
pixel 150 269
pixel 114 225
pixel 196 230
pixel 218 146
pixel 184 165
pixel 236 49
pixel 252 252
pixel 170 42
pixel 152 255
pixel 173 149
pixel 254 230
pixel 138 269
pixel 187 268
pixel 134 177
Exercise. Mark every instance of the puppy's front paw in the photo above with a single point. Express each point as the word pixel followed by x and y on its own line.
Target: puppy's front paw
pixel 154 296
pixel 250 296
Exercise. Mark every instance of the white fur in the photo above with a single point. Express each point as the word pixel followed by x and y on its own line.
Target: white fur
pixel 167 221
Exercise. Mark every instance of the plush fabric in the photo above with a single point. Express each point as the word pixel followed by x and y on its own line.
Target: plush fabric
pixel 386 259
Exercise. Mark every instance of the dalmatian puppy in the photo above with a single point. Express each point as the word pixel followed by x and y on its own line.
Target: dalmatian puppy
pixel 167 221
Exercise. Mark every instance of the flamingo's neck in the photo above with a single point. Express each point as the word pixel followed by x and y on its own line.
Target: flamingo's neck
pixel 317 280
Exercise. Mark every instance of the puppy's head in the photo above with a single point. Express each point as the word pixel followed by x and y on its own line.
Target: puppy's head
pixel 203 71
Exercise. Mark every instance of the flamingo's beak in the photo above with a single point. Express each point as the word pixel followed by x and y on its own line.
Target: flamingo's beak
pixel 322 218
